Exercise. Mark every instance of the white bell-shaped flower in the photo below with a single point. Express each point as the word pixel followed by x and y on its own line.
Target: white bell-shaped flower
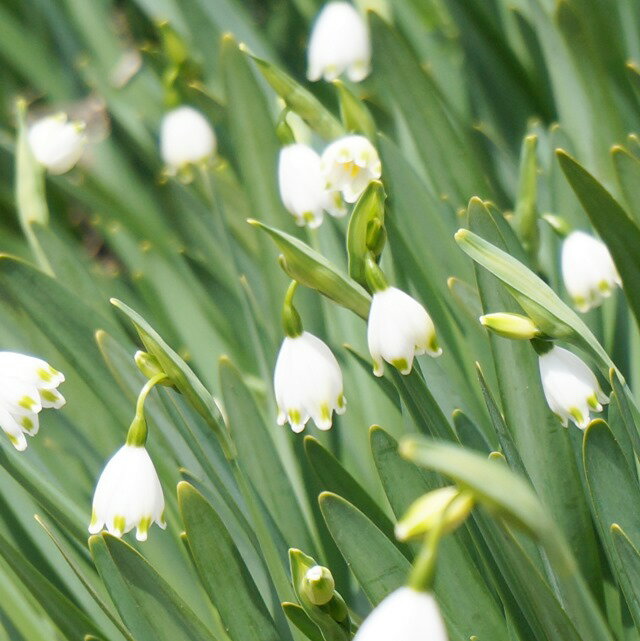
pixel 302 186
pixel 57 143
pixel 588 270
pixel 27 384
pixel 339 44
pixel 186 137
pixel 128 494
pixel 399 328
pixel 405 615
pixel 570 387
pixel 349 164
pixel 307 382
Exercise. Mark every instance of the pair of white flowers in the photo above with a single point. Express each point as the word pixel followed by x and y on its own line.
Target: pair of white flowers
pixel 308 380
pixel 27 385
pixel 311 184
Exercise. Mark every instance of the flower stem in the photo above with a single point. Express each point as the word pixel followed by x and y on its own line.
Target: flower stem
pixel 137 434
pixel 290 318
pixel 374 275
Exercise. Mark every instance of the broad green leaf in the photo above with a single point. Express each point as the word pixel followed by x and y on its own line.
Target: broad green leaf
pixel 299 618
pixel 612 222
pixel 630 567
pixel 149 607
pixel 68 618
pixel 182 375
pixel 223 572
pixel 259 457
pixel 335 478
pixel 627 168
pixel 301 101
pixel 370 207
pixel 615 497
pixel 313 270
pixel 376 562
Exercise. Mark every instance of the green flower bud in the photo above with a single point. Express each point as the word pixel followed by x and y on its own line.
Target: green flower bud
pixel 448 503
pixel 148 364
pixel 511 325
pixel 318 585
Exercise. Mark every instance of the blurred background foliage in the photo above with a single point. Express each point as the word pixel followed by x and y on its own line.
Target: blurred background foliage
pixel 470 98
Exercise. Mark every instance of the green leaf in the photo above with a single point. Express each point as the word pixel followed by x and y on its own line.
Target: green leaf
pixel 376 562
pixel 335 478
pixel 223 572
pixel 525 217
pixel 181 375
pixel 354 113
pixel 615 498
pixel 627 168
pixel 299 618
pixel 611 221
pixel 301 101
pixel 629 566
pixel 259 457
pixel 68 618
pixel 149 607
pixel 370 207
pixel 313 270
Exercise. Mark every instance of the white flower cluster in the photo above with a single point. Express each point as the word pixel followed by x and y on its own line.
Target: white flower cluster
pixel 27 385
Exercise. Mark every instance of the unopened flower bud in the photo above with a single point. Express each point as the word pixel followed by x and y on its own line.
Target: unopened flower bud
pixel 147 364
pixel 447 504
pixel 318 585
pixel 511 325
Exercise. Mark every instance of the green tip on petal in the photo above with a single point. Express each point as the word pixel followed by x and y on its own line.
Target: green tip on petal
pixel 119 524
pixel 402 365
pixel 27 402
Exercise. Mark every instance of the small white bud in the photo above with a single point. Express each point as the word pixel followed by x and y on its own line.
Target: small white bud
pixel 405 615
pixel 399 328
pixel 56 143
pixel 319 585
pixel 186 137
pixel 308 383
pixel 508 325
pixel 570 387
pixel 302 187
pixel 128 494
pixel 349 164
pixel 588 270
pixel 27 385
pixel 339 43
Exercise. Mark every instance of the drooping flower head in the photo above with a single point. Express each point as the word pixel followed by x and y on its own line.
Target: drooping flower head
pixel 399 329
pixel 307 382
pixel 128 494
pixel 57 143
pixel 570 387
pixel 349 164
pixel 186 137
pixel 27 384
pixel 405 615
pixel 302 187
pixel 588 270
pixel 339 44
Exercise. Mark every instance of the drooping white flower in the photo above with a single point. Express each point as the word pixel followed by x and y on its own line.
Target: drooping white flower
pixel 302 186
pixel 570 387
pixel 128 494
pixel 399 328
pixel 307 382
pixel 588 270
pixel 339 44
pixel 27 384
pixel 349 164
pixel 186 137
pixel 405 615
pixel 56 142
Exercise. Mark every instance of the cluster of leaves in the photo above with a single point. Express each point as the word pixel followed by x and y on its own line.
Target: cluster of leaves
pixel 468 99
